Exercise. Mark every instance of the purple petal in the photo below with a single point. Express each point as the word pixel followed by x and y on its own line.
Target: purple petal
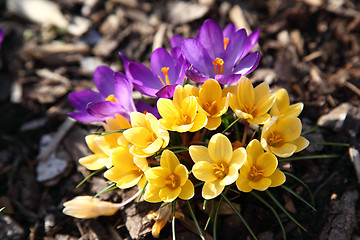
pixel 166 92
pixel 252 41
pixel 84 116
pixel 197 56
pixel 211 37
pixel 227 78
pixel 161 58
pixel 123 92
pixel 80 99
pixel 104 80
pixel 248 64
pixel 176 41
pixel 142 76
pixel 234 50
pixel 106 109
pixel 229 30
pixel 144 107
pixel 194 76
pixel 126 61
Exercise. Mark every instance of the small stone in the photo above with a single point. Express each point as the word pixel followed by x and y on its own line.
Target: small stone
pixel 9 229
pixel 335 118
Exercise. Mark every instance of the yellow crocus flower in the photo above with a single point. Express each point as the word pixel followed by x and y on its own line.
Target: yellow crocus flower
pixel 147 136
pixel 281 136
pixel 282 105
pixel 168 181
pixel 217 165
pixel 181 114
pixel 252 104
pixel 259 171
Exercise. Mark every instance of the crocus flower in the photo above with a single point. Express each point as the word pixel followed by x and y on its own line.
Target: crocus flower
pixel 282 105
pixel 98 159
pixel 114 96
pixel 168 181
pixel 146 135
pixel 281 136
pixel 218 165
pixel 252 104
pixel 222 58
pixel 166 73
pixel 127 170
pixel 259 171
pixel 89 207
pixel 181 114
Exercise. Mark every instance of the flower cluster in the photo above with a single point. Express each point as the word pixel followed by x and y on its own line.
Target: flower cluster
pixel 186 139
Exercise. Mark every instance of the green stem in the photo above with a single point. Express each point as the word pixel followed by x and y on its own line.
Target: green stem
pixel 331 144
pixel 230 125
pixel 308 157
pixel 245 133
pixel 210 216
pixel 89 176
pixel 195 220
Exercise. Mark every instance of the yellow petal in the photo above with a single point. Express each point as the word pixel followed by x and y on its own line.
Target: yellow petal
pixel 122 158
pixel 231 177
pixel 265 103
pixel 246 92
pixel 179 95
pixel 260 185
pixel 282 100
pixel 94 161
pixel 301 143
pixel 142 163
pixel 156 176
pixel 200 121
pixel 199 153
pixel 187 190
pixel 268 162
pixel 242 183
pixel 168 195
pixel 211 190
pixel 295 109
pixel 254 150
pixel 213 123
pixel 245 169
pixel 139 136
pixel 238 157
pixel 138 119
pixel 154 146
pixel 277 178
pixel 191 90
pixel 261 91
pixel 93 146
pixel 234 102
pixel 129 180
pixel 169 160
pixel 262 119
pixel 204 171
pixel 152 194
pixel 289 128
pixel 119 122
pixel 167 109
pixel 285 150
pixel 189 107
pixel 210 91
pixel 220 149
pixel 182 173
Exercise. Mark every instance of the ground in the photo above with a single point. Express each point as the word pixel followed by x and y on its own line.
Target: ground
pixel 309 47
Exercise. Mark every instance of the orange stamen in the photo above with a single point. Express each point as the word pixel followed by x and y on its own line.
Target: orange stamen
pixel 226 42
pixel 111 98
pixel 218 65
pixel 165 70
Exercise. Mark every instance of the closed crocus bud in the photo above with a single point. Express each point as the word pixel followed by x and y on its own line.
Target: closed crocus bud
pixel 89 207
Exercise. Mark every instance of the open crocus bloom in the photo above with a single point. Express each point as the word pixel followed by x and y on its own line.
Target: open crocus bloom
pixel 114 96
pixel 252 104
pixel 282 105
pixel 224 59
pixel 168 181
pixel 259 171
pixel 281 136
pixel 218 165
pixel 127 170
pixel 166 73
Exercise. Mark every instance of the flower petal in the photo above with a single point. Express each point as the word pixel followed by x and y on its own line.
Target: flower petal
pixel 204 171
pixel 238 157
pixel 105 109
pixel 169 160
pixel 267 162
pixel 161 58
pixel 195 76
pixel 166 92
pixel 152 194
pixel 254 150
pixel 157 175
pixel 211 190
pixel 213 123
pixel 211 37
pixel 285 150
pixel 234 50
pixel 289 128
pixel 242 183
pixel 123 92
pixel 187 190
pixel 248 64
pixel 168 195
pixel 182 173
pixel 260 185
pixel 277 178
pixel 301 143
pixel 227 78
pixel 84 116
pixel 231 177
pixel 138 136
pixel 167 109
pixel 199 153
pixel 80 99
pixel 198 56
pixel 94 161
pixel 104 80
pixel 220 149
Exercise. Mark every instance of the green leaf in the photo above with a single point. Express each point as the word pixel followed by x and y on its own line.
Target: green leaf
pixel 173 220
pixel 110 132
pixel 298 197
pixel 284 210
pixel 88 177
pixel 195 221
pixel 331 144
pixel 143 190
pixel 289 159
pixel 272 210
pixel 231 124
pixel 304 184
pixel 309 130
pixel 107 189
pixel 239 215
pixel 210 215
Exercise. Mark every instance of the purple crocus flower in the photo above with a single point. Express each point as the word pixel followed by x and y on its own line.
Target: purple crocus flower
pixel 114 96
pixel 1 37
pixel 166 73
pixel 220 55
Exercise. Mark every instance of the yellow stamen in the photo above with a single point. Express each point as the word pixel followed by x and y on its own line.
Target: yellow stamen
pixel 111 98
pixel 255 174
pixel 220 170
pixel 250 109
pixel 210 107
pixel 172 181
pixel 165 70
pixel 275 140
pixel 226 42
pixel 218 65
